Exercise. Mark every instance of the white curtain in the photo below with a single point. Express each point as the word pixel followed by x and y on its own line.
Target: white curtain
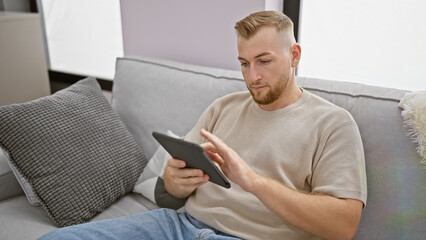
pixel 376 42
pixel 83 36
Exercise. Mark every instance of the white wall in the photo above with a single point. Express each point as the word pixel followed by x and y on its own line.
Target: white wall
pixel 23 75
pixel 376 42
pixel 86 36
pixel 192 31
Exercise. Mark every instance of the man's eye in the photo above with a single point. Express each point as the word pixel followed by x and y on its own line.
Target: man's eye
pixel 265 61
pixel 244 64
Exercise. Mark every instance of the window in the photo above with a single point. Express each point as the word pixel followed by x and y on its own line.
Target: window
pixel 83 37
pixel 377 42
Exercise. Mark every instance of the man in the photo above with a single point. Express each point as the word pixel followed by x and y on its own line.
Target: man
pixel 295 161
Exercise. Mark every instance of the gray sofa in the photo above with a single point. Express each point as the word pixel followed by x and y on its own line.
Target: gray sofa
pixel 151 94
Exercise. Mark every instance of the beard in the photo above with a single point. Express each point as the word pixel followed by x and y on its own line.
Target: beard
pixel 273 92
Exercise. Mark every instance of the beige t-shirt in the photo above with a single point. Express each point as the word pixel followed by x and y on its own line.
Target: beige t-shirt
pixel 311 145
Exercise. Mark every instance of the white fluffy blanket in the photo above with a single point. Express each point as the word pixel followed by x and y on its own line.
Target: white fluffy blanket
pixel 414 115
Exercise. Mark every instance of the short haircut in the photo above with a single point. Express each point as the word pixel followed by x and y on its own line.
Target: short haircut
pixel 248 26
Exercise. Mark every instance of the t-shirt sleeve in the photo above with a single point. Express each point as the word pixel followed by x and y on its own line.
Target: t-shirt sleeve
pixel 340 169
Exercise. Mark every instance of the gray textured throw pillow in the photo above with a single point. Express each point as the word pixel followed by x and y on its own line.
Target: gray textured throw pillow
pixel 73 150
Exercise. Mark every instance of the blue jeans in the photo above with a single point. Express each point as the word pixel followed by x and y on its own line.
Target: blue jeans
pixel 156 224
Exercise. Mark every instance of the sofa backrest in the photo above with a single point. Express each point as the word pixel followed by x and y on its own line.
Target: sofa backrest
pixel 396 205
pixel 152 94
pixel 159 95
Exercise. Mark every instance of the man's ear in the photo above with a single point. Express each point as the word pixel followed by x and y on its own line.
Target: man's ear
pixel 296 52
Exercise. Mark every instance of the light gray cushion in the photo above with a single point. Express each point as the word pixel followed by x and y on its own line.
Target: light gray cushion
pixel 159 95
pixel 73 150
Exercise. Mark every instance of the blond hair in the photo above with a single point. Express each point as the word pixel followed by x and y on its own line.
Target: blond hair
pixel 248 26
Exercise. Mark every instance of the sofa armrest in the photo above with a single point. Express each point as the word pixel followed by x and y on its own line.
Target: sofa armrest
pixel 9 186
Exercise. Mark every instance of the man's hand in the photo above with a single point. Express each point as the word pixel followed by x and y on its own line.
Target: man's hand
pixel 180 181
pixel 234 168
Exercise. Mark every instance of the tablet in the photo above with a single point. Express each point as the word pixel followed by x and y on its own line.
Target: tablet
pixel 193 155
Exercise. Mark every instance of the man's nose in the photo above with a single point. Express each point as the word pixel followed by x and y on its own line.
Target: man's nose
pixel 255 74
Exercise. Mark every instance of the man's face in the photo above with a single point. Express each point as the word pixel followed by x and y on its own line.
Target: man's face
pixel 265 63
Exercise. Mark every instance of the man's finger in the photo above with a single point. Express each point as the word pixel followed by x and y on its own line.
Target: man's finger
pixel 208 146
pixel 213 156
pixel 217 142
pixel 188 173
pixel 193 182
pixel 176 163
